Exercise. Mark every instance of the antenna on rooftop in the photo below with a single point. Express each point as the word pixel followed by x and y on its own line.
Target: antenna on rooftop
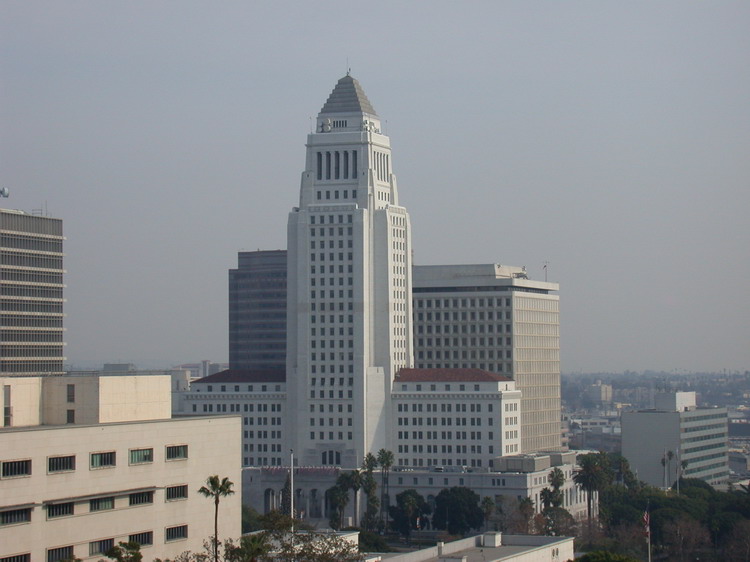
pixel 544 267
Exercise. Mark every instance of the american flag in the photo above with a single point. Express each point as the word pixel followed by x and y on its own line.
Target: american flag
pixel 646 523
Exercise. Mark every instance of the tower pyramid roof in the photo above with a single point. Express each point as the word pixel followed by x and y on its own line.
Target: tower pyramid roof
pixel 348 97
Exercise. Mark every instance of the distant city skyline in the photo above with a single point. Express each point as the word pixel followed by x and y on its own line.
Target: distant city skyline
pixel 609 140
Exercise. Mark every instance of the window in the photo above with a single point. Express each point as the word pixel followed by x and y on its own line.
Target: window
pixel 102 460
pixel 17 558
pixel 140 498
pixel 71 392
pixel 177 492
pixel 101 504
pixel 175 452
pixel 13 469
pixel 61 464
pixel 139 456
pixel 59 509
pixel 101 546
pixel 176 533
pixel 14 516
pixel 70 416
pixel 60 553
pixel 145 538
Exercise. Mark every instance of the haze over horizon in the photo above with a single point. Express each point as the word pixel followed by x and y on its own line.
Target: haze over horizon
pixel 608 139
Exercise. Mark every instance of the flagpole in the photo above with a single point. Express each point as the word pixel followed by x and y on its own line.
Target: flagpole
pixel 291 484
pixel 647 523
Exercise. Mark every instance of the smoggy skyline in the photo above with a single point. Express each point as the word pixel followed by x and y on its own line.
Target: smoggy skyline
pixel 608 139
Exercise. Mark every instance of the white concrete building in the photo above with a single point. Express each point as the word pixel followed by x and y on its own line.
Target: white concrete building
pixel 348 286
pixel 454 418
pixel 492 317
pixel 260 397
pixel 695 436
pixel 71 485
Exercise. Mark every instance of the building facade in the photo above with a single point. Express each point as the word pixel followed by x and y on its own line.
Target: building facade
pixel 493 317
pixel 260 397
pixel 117 469
pixel 692 441
pixel 454 418
pixel 348 285
pixel 257 311
pixel 31 295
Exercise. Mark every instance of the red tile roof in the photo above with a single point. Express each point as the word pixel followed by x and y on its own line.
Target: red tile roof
pixel 448 375
pixel 243 375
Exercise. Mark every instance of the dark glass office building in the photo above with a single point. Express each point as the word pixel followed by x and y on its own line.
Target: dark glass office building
pixel 257 311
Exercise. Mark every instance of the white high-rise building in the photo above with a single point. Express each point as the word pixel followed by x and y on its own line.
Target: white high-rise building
pixel 349 286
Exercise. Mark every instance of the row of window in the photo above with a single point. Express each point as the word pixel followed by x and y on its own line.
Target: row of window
pixel 433 449
pixel 67 463
pixel 100 547
pixel 462 303
pixel 444 421
pixel 250 388
pixel 445 407
pixel 336 165
pixel 445 435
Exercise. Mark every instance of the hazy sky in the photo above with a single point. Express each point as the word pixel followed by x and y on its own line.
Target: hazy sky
pixel 611 139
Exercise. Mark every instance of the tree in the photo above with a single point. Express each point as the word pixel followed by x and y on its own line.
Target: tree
pixel 558 522
pixel 355 483
pixel 286 497
pixel 488 508
pixel 125 552
pixel 315 547
pixel 338 498
pixel 457 510
pixel 592 476
pixel 385 460
pixel 410 507
pixel 526 510
pixel 216 489
pixel 369 486
pixel 556 478
pixel 251 548
pixel 547 497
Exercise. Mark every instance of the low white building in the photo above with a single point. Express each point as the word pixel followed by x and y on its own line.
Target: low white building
pixel 76 489
pixel 454 417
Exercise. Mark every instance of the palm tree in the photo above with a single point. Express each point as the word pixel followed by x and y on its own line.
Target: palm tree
pixel 556 478
pixel 216 489
pixel 355 483
pixel 547 497
pixel 591 477
pixel 369 464
pixel 526 509
pixel 385 460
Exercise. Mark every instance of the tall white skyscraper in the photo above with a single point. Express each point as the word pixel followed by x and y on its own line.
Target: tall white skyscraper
pixel 349 286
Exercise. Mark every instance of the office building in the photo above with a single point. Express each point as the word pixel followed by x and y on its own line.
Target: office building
pixel 31 295
pixel 493 317
pixel 257 311
pixel 119 470
pixel 348 285
pixel 691 441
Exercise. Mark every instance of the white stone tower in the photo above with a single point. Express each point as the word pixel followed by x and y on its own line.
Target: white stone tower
pixel 349 286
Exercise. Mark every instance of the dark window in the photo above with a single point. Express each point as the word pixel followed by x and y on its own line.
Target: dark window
pixel 177 452
pixel 71 391
pixel 140 498
pixel 13 516
pixel 60 553
pixel 138 456
pixel 101 546
pixel 61 464
pixel 143 539
pixel 177 492
pixel 70 416
pixel 59 509
pixel 17 558
pixel 101 504
pixel 176 533
pixel 100 460
pixel 16 468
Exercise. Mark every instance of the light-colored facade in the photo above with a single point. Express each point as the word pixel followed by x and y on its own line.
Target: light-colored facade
pixel 454 418
pixel 31 294
pixel 513 478
pixel 91 460
pixel 76 490
pixel 260 397
pixel 696 436
pixel 348 285
pixel 492 317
